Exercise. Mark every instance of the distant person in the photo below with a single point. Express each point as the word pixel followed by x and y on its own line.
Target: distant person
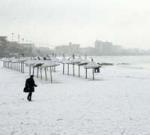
pixel 97 70
pixel 44 58
pixel 29 87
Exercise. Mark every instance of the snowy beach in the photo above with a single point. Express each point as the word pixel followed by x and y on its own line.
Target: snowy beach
pixel 117 102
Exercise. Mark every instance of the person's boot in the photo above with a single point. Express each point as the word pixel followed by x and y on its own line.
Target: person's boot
pixel 29 98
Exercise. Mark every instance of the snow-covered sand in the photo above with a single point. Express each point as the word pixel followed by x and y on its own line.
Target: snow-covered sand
pixel 116 103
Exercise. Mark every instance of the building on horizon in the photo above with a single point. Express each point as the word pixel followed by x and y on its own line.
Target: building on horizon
pixel 69 49
pixel 107 48
pixel 3 46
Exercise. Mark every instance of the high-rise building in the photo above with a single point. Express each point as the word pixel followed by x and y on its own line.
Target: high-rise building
pixel 103 47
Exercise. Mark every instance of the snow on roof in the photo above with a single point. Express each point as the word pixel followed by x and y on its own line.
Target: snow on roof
pixel 54 59
pixel 33 62
pixel 91 65
pixel 43 63
pixel 71 60
pixel 75 61
pixel 14 60
pixel 50 64
pixel 84 62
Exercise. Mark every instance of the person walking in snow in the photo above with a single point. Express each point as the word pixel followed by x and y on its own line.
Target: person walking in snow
pixel 29 87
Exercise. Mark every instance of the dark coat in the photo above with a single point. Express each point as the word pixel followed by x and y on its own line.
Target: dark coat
pixel 29 85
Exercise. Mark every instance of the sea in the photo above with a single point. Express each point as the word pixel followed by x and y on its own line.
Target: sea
pixel 137 62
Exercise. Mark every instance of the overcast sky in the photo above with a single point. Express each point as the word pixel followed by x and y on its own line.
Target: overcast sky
pixel 56 22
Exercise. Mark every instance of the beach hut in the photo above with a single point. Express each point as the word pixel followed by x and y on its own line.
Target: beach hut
pixel 40 65
pixel 91 65
pixel 70 61
pixel 6 62
pixel 63 61
pixel 50 65
pixel 14 64
pixel 56 60
pixel 79 61
pixel 21 64
pixel 74 62
pixel 33 64
pixel 83 62
pixel 30 64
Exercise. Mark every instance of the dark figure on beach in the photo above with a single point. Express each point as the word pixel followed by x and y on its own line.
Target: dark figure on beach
pixel 29 87
pixel 97 70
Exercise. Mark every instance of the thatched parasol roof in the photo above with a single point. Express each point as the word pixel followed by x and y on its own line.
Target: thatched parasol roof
pixel 91 65
pixel 49 64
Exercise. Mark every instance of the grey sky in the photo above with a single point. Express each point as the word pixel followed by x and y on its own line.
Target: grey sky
pixel 56 22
